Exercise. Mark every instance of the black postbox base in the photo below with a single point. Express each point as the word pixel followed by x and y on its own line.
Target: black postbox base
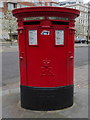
pixel 45 99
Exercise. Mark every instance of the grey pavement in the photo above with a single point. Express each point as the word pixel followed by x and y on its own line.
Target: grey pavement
pixel 11 100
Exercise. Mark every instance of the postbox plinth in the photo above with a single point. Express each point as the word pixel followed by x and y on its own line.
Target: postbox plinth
pixel 45 99
pixel 46 53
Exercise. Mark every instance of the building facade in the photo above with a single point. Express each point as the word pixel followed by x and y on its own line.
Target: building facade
pixel 69 2
pixel 89 21
pixel 82 21
pixel 13 4
pixel 9 6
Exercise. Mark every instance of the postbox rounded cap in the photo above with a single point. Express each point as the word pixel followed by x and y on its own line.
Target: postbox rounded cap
pixel 46 11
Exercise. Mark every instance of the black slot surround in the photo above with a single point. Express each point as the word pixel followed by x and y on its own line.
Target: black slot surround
pixel 59 23
pixel 53 23
pixel 32 23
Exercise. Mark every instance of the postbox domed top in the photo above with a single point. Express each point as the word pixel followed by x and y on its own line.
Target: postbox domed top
pixel 46 11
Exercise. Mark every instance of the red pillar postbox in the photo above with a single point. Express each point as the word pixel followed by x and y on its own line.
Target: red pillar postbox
pixel 46 53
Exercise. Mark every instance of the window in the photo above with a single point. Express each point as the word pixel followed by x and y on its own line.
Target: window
pixel 84 29
pixel 81 21
pixel 24 6
pixel 1 14
pixel 80 8
pixel 1 4
pixel 77 7
pixel 43 3
pixel 18 6
pixel 11 6
pixel 48 4
pixel 36 3
pixel 80 14
pixel 86 16
pixel 54 4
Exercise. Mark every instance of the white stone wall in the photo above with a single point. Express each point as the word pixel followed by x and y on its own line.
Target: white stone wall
pixel 82 20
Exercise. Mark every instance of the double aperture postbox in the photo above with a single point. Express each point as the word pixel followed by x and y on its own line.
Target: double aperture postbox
pixel 46 52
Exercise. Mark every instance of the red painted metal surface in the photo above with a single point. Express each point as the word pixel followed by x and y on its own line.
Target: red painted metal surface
pixel 46 11
pixel 46 64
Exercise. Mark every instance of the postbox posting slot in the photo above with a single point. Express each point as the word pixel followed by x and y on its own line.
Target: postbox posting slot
pixel 32 23
pixel 59 23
